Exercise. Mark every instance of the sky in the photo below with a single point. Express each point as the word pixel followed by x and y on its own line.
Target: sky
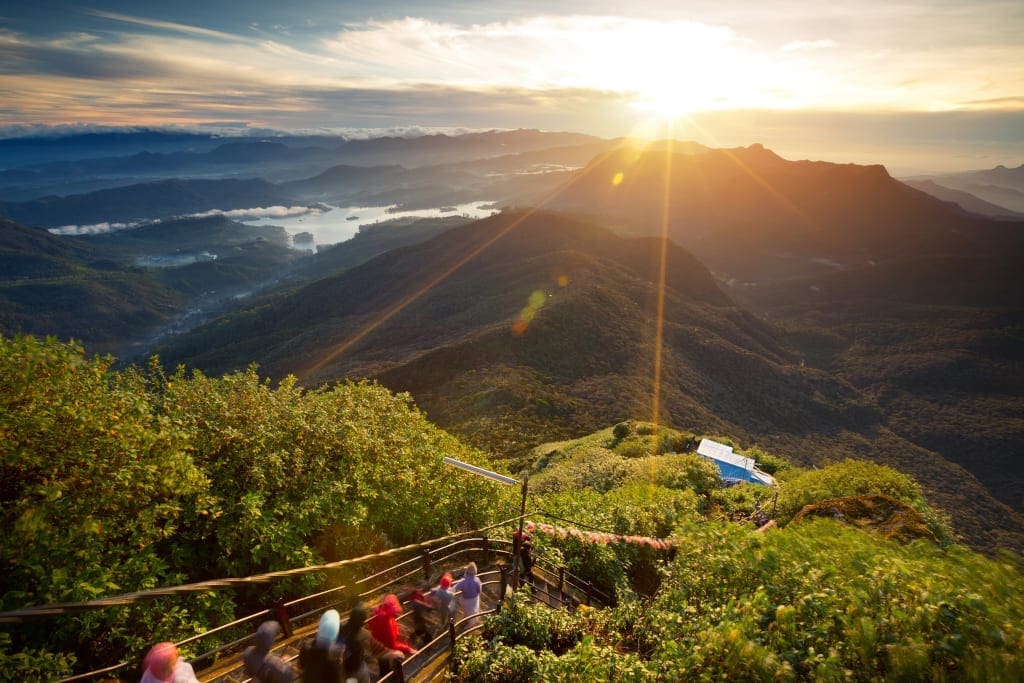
pixel 912 83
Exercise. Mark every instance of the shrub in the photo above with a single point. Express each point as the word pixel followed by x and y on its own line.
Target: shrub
pixel 598 469
pixel 686 471
pixel 621 431
pixel 854 478
pixel 636 447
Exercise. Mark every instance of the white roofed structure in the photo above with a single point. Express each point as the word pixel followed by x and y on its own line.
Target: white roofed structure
pixel 732 465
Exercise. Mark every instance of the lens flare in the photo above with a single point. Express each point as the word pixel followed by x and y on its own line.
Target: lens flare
pixel 536 302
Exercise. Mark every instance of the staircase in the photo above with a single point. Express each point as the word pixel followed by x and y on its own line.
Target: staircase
pixel 420 565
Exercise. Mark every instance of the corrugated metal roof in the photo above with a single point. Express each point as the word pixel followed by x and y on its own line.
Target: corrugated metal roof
pixel 722 453
pixel 719 451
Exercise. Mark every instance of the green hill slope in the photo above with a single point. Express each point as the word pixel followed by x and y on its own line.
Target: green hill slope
pixel 120 481
pixel 549 332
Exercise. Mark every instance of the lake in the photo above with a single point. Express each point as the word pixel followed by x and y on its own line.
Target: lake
pixel 342 222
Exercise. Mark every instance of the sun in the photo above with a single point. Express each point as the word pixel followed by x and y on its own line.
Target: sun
pixel 668 104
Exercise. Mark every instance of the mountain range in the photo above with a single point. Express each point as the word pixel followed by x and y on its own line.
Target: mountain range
pixel 1001 186
pixel 819 310
pixel 754 217
pixel 530 325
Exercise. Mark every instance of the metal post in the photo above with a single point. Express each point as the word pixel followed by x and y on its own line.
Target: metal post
pixel 487 549
pixel 280 614
pixel 504 584
pixel 451 644
pixel 516 547
pixel 561 583
pixel 426 565
pixel 590 593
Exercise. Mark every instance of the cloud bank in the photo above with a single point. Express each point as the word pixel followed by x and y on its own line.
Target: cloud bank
pixel 233 214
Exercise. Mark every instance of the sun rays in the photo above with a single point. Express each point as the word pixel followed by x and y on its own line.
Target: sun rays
pixel 618 173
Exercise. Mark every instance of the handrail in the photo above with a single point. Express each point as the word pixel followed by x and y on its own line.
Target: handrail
pixel 473 543
pixel 27 613
pixel 429 547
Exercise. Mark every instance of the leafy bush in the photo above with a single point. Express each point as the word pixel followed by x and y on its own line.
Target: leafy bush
pixel 122 481
pixel 597 468
pixel 822 599
pixel 495 664
pixel 621 431
pixel 853 478
pixel 767 462
pixel 818 601
pixel 524 622
pixel 739 501
pixel 636 447
pixel 685 471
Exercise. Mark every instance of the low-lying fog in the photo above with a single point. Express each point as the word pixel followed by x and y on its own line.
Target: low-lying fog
pixel 342 222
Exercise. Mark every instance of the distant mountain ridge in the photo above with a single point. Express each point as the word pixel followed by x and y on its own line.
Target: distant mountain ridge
pixel 425 172
pixel 965 200
pixel 278 159
pixel 753 216
pixel 146 201
pixel 1001 185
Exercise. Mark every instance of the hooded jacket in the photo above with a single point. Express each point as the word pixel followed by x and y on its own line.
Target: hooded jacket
pixel 319 656
pixel 383 625
pixel 260 663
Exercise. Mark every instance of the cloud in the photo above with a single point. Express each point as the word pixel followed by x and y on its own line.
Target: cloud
pixel 1012 102
pixel 168 26
pixel 597 52
pixel 258 212
pixel 93 229
pixel 234 214
pixel 80 59
pixel 808 45
pixel 389 73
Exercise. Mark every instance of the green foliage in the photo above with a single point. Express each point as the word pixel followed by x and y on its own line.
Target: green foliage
pixel 679 472
pixel 818 601
pixel 498 664
pixel 112 482
pixel 30 664
pixel 739 502
pixel 621 431
pixel 524 622
pixel 858 477
pixel 822 599
pixel 636 508
pixel 636 447
pixel 596 468
pixel 766 462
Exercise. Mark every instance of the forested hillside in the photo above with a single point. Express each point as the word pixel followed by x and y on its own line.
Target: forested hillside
pixel 112 482
pixel 874 591
pixel 119 481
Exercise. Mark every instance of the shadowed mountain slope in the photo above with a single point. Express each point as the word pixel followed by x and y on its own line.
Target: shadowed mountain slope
pixel 51 285
pixel 937 342
pixel 146 201
pixel 550 332
pixel 100 290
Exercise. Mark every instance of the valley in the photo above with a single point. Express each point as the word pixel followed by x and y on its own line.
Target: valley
pixel 823 325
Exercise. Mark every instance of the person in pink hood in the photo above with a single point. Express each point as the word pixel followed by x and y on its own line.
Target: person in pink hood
pixel 163 665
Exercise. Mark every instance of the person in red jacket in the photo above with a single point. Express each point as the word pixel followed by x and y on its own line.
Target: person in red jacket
pixel 384 627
